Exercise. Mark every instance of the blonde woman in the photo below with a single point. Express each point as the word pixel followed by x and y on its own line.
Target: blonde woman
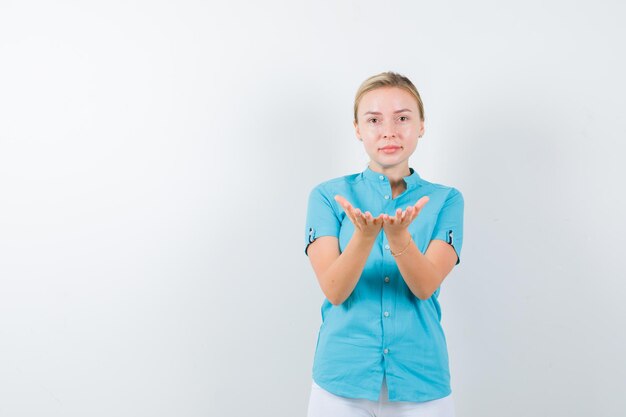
pixel 381 242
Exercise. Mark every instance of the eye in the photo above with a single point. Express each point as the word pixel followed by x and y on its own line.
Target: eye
pixel 403 118
pixel 372 119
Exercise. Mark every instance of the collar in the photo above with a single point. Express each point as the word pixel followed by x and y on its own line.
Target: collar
pixel 413 180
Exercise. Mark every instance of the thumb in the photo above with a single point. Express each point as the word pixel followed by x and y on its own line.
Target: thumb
pixel 342 201
pixel 422 202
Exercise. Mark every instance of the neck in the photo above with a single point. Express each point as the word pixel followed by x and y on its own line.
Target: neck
pixel 395 174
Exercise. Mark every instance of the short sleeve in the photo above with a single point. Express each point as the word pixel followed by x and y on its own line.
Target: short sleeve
pixel 321 219
pixel 449 226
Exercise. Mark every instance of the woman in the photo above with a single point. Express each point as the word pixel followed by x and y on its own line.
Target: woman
pixel 381 242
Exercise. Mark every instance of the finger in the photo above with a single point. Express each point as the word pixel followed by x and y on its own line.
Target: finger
pixel 414 213
pixel 399 216
pixel 374 220
pixel 360 217
pixel 421 203
pixel 343 202
pixel 356 213
pixel 408 213
pixel 351 214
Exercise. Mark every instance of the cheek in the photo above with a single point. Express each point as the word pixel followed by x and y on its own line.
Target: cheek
pixel 367 131
pixel 370 146
pixel 408 129
pixel 369 134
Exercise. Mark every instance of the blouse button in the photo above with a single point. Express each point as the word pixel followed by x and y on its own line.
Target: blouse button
pixel 386 314
pixel 386 197
pixel 386 246
pixel 381 177
pixel 386 279
pixel 386 351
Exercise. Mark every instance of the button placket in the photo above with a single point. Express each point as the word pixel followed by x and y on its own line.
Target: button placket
pixel 387 293
pixel 385 187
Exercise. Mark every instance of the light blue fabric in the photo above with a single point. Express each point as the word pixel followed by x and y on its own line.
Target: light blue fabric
pixel 357 342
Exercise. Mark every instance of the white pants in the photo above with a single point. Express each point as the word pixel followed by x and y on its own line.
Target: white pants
pixel 326 404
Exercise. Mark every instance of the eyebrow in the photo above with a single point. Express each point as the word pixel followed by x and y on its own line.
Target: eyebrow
pixel 377 112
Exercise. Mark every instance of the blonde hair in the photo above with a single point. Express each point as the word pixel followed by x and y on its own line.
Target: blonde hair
pixel 387 79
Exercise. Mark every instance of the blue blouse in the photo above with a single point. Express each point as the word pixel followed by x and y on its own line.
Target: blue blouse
pixel 382 328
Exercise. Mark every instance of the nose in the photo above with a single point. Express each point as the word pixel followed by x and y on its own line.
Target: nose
pixel 389 130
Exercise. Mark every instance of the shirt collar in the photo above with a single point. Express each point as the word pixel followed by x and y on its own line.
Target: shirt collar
pixel 412 180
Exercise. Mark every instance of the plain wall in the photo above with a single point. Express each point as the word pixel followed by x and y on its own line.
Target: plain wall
pixel 155 162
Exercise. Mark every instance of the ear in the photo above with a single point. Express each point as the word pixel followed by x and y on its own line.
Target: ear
pixel 356 130
pixel 421 129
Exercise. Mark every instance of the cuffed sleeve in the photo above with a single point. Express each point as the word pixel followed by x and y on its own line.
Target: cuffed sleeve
pixel 321 218
pixel 449 226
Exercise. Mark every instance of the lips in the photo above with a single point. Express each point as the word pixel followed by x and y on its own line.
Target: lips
pixel 390 150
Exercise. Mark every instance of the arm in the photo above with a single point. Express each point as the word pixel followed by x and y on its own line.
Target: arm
pixel 338 273
pixel 423 273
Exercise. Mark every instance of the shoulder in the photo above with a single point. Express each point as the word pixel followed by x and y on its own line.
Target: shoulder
pixel 441 197
pixel 442 190
pixel 337 185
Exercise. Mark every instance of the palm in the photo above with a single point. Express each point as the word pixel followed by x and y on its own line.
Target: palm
pixel 402 219
pixel 365 223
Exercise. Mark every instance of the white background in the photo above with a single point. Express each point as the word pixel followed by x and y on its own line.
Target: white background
pixel 156 158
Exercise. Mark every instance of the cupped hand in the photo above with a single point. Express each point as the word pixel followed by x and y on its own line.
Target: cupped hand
pixel 364 223
pixel 402 219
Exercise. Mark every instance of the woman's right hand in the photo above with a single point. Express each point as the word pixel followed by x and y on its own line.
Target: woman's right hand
pixel 364 223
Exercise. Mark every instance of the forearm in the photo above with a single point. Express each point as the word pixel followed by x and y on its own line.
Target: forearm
pixel 342 275
pixel 418 272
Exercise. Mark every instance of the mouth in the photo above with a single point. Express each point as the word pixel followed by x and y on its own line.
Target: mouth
pixel 390 149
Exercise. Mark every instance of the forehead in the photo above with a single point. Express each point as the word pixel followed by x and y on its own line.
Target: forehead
pixel 387 98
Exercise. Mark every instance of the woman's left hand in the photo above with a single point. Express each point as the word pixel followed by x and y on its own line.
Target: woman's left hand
pixel 395 225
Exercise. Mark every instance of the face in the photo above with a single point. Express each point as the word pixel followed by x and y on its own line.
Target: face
pixel 389 125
